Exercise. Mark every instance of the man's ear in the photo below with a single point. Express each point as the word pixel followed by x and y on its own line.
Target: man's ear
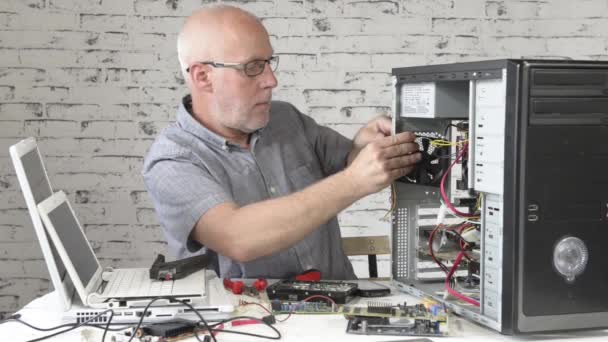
pixel 201 79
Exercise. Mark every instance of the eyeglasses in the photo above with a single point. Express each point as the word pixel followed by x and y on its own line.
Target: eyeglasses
pixel 251 69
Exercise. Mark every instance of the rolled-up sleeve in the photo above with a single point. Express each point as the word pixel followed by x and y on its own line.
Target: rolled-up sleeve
pixel 181 193
pixel 331 147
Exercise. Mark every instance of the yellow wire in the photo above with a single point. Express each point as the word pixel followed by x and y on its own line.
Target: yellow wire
pixel 445 143
pixel 478 205
pixel 393 201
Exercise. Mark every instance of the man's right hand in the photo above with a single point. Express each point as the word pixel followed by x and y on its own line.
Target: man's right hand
pixel 382 161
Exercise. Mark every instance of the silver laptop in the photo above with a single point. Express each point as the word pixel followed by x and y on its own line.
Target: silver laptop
pixel 216 308
pixel 102 288
pixel 36 187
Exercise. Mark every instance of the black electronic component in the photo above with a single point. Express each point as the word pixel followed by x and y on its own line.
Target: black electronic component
pixel 168 329
pixel 339 292
pixel 177 269
pixel 368 288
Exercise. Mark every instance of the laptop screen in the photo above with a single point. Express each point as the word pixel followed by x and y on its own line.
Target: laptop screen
pixel 41 190
pixel 74 242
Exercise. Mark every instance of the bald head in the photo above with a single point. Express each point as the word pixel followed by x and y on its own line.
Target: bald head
pixel 216 33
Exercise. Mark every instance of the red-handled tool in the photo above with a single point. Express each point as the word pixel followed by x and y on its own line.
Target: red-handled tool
pixel 238 287
pixel 235 287
pixel 310 275
pixel 260 284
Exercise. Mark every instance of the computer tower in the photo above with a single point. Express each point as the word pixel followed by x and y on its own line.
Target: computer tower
pixel 519 149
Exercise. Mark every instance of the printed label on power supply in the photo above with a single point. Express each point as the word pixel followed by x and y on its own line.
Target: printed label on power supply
pixel 418 100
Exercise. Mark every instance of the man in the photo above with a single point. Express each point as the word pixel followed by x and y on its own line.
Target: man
pixel 256 181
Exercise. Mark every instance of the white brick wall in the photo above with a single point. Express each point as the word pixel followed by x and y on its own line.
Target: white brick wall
pixel 95 81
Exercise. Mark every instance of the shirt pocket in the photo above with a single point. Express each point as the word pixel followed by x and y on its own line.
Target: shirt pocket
pixel 302 176
pixel 247 186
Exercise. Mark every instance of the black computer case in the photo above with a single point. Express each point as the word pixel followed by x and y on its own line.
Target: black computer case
pixel 532 136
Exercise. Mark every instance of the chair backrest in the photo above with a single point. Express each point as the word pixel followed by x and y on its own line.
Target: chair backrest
pixel 367 245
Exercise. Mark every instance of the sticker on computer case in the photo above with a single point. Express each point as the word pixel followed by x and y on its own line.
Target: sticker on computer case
pixel 418 100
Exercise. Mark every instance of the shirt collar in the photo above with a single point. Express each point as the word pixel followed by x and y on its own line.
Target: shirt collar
pixel 189 124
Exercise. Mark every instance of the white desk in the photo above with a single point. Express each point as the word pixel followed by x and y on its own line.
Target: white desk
pixel 43 312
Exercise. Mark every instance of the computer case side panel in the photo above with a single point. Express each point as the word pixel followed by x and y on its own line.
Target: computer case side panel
pixel 511 210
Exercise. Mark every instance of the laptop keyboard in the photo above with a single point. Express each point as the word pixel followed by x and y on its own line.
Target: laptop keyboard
pixel 136 283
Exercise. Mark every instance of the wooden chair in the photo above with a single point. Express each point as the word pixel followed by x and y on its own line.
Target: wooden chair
pixel 370 246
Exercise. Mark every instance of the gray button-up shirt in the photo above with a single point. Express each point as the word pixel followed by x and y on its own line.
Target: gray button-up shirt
pixel 189 170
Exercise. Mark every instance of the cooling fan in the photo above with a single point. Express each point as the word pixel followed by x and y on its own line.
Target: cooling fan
pixel 435 160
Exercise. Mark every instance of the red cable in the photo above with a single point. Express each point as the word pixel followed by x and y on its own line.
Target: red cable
pixel 219 328
pixel 442 185
pixel 432 253
pixel 244 322
pixel 449 288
